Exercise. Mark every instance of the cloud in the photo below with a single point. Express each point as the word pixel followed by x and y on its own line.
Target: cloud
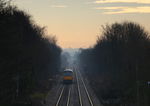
pixel 145 9
pixel 15 3
pixel 30 2
pixel 58 6
pixel 109 8
pixel 122 1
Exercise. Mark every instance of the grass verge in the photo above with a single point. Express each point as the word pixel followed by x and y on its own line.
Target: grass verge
pixel 41 95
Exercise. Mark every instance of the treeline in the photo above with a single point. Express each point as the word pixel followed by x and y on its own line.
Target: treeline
pixel 65 60
pixel 28 57
pixel 118 65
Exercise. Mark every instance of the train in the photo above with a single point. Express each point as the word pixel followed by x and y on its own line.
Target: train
pixel 67 75
pixel 74 62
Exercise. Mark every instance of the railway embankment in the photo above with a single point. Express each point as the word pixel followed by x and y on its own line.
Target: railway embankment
pixel 54 92
pixel 39 96
pixel 103 90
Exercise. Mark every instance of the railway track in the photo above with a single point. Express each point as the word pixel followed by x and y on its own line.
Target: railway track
pixel 66 89
pixel 83 94
pixel 79 76
pixel 79 93
pixel 64 94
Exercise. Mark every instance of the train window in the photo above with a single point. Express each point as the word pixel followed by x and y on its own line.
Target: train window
pixel 64 74
pixel 67 74
pixel 70 74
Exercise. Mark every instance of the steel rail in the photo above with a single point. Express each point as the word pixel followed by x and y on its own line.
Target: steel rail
pixel 80 100
pixel 85 88
pixel 69 88
pixel 59 97
pixel 68 96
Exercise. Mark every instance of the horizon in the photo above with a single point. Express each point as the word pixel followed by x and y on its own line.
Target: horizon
pixel 70 50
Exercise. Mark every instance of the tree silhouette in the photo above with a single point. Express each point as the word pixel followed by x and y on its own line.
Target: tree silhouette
pixel 120 57
pixel 28 56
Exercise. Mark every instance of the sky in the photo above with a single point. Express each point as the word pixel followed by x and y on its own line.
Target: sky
pixel 77 23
